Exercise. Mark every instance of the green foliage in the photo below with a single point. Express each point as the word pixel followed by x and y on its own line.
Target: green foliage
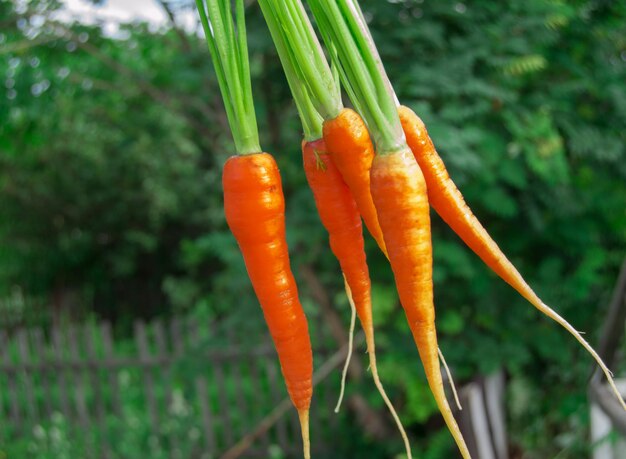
pixel 111 152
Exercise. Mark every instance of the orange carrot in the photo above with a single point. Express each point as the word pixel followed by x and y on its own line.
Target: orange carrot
pixel 255 207
pixel 448 201
pixel 255 212
pixel 340 216
pixel 400 196
pixel 349 144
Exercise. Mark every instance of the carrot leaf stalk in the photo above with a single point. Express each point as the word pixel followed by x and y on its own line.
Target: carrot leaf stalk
pixel 398 187
pixel 343 28
pixel 229 51
pixel 254 206
pixel 307 109
pixel 310 78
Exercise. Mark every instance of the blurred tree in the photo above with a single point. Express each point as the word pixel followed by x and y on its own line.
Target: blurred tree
pixel 106 160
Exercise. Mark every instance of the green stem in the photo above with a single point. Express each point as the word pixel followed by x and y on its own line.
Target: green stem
pixel 228 47
pixel 310 117
pixel 342 25
pixel 302 57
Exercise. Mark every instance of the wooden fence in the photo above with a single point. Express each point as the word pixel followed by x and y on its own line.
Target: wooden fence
pixel 172 392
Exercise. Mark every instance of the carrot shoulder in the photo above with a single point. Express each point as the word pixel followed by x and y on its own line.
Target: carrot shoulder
pixel 448 201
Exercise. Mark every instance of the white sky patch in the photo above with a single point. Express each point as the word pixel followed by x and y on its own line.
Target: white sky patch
pixel 115 12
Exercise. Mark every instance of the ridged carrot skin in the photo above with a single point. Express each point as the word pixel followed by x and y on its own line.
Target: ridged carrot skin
pixel 399 193
pixel 350 146
pixel 448 201
pixel 255 212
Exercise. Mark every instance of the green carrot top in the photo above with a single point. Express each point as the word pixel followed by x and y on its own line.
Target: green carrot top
pixel 343 28
pixel 314 86
pixel 229 51
pixel 309 115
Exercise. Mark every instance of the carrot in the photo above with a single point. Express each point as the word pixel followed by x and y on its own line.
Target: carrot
pixel 397 185
pixel 255 207
pixel 340 216
pixel 349 144
pixel 448 201
pixel 255 212
pixel 399 193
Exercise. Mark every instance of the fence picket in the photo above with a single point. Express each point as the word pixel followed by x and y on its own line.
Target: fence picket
pixel 207 418
pixel 240 395
pixel 14 407
pixel 78 381
pixel 107 346
pixel 161 343
pixel 89 337
pixel 57 343
pixel 177 339
pixel 259 414
pixel 104 331
pixel 281 426
pixel 45 369
pixel 27 376
pixel 141 339
pixel 224 404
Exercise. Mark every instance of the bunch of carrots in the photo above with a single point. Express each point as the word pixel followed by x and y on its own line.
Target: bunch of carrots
pixel 374 164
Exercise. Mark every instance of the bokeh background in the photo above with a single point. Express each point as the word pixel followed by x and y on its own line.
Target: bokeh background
pixel 112 139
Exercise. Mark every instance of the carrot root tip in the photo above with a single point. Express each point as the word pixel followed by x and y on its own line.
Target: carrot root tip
pixel 551 313
pixel 303 415
pixel 379 385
